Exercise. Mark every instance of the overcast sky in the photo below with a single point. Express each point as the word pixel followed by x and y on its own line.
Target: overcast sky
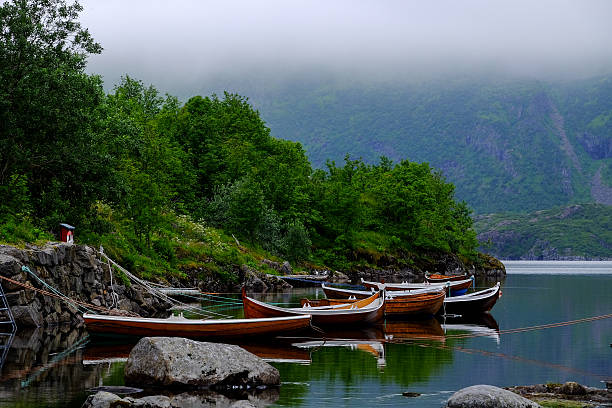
pixel 178 43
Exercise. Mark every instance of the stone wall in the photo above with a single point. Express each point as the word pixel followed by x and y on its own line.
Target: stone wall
pixel 74 270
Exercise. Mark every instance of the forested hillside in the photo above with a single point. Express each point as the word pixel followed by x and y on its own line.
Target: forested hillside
pixel 506 145
pixel 576 232
pixel 168 186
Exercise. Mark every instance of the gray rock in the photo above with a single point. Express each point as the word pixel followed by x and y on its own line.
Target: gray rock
pixel 286 268
pixel 104 399
pixel 274 265
pixel 338 277
pixel 27 316
pixel 572 388
pixel 173 361
pixel 252 281
pixel 487 396
pixel 242 404
pixel 154 401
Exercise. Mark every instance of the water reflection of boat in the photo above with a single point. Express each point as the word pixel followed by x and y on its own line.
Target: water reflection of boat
pixel 482 325
pixel 111 352
pixel 428 329
pixel 373 347
pixel 100 353
pixel 278 352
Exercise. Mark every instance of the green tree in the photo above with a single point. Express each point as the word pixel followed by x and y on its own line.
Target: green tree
pixel 48 107
pixel 153 172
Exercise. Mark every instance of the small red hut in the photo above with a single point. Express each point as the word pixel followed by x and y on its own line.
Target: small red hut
pixel 67 233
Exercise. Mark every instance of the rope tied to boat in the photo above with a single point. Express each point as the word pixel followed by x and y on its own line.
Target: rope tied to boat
pixel 114 296
pixel 160 295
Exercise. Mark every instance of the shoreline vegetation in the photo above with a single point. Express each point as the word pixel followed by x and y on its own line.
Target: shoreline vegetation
pixel 169 189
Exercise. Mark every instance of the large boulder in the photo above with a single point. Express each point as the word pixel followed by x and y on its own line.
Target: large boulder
pixel 487 396
pixel 28 316
pixel 204 399
pixel 179 362
pixel 103 399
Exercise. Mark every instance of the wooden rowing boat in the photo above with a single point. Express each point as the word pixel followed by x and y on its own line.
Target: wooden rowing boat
pixel 428 303
pixel 473 303
pixel 338 293
pixel 439 278
pixel 468 304
pixel 457 287
pixel 369 310
pixel 194 328
pixel 420 302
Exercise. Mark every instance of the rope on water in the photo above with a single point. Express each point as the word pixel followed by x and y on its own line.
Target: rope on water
pixel 533 328
pixel 56 359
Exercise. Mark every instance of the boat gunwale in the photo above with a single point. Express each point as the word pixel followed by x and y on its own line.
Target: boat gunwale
pixel 415 286
pixel 480 295
pixel 196 322
pixel 335 310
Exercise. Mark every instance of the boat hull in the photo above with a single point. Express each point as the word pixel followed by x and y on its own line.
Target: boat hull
pixel 337 293
pixel 406 304
pixel 474 303
pixel 457 287
pixel 130 326
pixel 332 315
pixel 437 278
pixel 421 304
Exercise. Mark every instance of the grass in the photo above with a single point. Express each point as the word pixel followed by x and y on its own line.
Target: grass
pixel 559 403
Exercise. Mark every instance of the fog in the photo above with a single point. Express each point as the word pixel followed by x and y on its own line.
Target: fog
pixel 194 44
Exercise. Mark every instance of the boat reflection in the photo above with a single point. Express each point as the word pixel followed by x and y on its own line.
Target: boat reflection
pixel 482 325
pixel 426 329
pixel 103 352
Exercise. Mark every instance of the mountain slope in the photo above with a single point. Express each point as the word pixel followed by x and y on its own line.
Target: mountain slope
pixel 507 146
pixel 573 232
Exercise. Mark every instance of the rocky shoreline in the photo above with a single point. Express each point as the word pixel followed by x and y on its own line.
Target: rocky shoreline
pixel 177 372
pixel 568 395
pixel 571 394
pixel 79 272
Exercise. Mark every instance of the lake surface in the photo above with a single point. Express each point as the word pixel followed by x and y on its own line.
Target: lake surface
pixel 375 365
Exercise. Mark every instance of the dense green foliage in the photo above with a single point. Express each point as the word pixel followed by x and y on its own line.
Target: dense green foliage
pixel 575 231
pixel 499 142
pixel 165 186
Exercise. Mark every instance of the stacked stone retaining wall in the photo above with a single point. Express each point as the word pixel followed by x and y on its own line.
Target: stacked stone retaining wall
pixel 77 272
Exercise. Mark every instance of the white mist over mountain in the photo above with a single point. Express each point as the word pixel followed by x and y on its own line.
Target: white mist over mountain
pixel 185 44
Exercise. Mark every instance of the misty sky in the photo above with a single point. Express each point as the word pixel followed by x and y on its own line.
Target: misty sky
pixel 180 43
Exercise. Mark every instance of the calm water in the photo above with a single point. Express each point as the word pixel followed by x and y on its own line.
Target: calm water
pixel 374 366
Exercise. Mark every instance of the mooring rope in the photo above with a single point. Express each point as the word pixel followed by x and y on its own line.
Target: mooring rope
pixel 160 295
pixel 51 294
pixel 532 328
pixel 114 296
pixel 52 289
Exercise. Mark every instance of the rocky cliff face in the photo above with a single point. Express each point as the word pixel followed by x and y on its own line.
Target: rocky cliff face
pixel 75 271
pixel 568 233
